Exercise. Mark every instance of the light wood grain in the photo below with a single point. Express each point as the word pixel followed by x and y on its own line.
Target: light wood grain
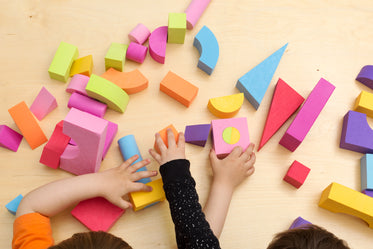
pixel 331 39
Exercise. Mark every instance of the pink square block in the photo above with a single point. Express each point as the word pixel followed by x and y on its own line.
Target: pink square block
pixel 43 104
pixel 235 131
pixel 297 174
pixel 9 138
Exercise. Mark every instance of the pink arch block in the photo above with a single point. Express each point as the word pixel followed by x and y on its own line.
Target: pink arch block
pixel 194 11
pixel 157 44
pixel 78 84
pixel 139 34
pixel 87 104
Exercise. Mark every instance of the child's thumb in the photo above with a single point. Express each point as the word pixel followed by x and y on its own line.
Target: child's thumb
pixel 123 204
pixel 213 157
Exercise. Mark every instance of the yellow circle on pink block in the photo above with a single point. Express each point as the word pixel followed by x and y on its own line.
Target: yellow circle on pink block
pixel 231 135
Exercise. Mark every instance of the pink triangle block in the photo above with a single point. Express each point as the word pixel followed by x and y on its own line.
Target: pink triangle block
pixel 9 138
pixel 157 44
pixel 197 134
pixel 78 84
pixel 43 104
pixel 112 130
pixel 97 214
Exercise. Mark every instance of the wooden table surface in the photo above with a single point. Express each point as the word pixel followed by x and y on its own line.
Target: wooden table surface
pixel 330 39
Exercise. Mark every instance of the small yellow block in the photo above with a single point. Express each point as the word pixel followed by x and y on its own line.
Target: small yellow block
pixel 141 200
pixel 364 103
pixel 226 106
pixel 83 65
pixel 340 199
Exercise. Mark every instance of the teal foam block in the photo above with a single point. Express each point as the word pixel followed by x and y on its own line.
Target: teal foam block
pixel 208 48
pixel 366 172
pixel 12 206
pixel 128 147
pixel 254 83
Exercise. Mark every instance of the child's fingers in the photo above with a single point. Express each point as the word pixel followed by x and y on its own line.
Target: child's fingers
pixel 213 157
pixel 155 155
pixel 250 149
pixel 130 160
pixel 138 186
pixel 162 147
pixel 250 171
pixel 120 202
pixel 143 174
pixel 181 141
pixel 171 138
pixel 138 165
pixel 252 159
pixel 236 152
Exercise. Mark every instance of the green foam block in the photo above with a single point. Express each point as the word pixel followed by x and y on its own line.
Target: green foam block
pixel 62 62
pixel 176 27
pixel 116 56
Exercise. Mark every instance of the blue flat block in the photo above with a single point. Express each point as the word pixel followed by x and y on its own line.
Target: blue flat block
pixel 366 172
pixel 197 134
pixel 299 223
pixel 128 148
pixel 208 48
pixel 254 83
pixel 12 206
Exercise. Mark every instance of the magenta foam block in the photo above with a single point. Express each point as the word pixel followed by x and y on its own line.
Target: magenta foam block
pixel 139 34
pixel 366 76
pixel 356 133
pixel 157 44
pixel 307 115
pixel 194 11
pixel 197 134
pixel 87 104
pixel 89 133
pixel 9 138
pixel 300 223
pixel 97 214
pixel 136 52
pixel 296 174
pixel 112 130
pixel 43 104
pixel 78 84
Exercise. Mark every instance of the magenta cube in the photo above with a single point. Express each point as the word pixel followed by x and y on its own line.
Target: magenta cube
pixel 297 174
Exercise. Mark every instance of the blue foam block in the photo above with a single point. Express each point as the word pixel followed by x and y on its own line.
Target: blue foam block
pixel 366 172
pixel 12 206
pixel 208 48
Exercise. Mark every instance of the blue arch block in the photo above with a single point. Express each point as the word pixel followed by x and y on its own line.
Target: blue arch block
pixel 208 48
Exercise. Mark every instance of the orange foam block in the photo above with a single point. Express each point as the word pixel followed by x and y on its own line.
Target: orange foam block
pixel 163 134
pixel 131 82
pixel 28 125
pixel 178 88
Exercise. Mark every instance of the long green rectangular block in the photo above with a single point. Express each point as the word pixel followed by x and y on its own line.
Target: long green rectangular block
pixel 62 62
pixel 116 56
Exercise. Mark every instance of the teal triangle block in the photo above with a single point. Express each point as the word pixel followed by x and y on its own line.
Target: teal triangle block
pixel 254 83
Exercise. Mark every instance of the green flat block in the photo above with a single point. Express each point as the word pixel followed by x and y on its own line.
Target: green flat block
pixel 116 56
pixel 62 62
pixel 107 92
pixel 176 27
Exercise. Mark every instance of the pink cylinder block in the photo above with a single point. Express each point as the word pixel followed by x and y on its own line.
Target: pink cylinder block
pixel 77 84
pixel 194 11
pixel 139 34
pixel 87 104
pixel 136 52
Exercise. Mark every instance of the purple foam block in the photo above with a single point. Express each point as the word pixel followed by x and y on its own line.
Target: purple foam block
pixel 9 138
pixel 356 133
pixel 366 76
pixel 368 192
pixel 197 134
pixel 299 223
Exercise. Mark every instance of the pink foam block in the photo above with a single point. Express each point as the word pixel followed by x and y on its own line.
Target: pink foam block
pixel 112 130
pixel 136 52
pixel 194 11
pixel 78 84
pixel 9 138
pixel 139 34
pixel 97 214
pixel 87 104
pixel 43 104
pixel 89 133
pixel 297 174
pixel 157 44
pixel 307 115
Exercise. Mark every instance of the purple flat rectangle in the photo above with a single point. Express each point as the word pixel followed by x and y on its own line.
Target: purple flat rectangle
pixel 197 134
pixel 9 138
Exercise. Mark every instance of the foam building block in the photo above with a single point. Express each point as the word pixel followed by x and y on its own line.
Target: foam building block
pixel 62 61
pixel 194 11
pixel 139 34
pixel 83 65
pixel 296 174
pixel 226 106
pixel 366 172
pixel 364 103
pixel 340 199
pixel 89 133
pixel 136 52
pixel 55 147
pixel 208 48
pixel 87 104
pixel 254 83
pixel 43 104
pixel 28 125
pixel 285 102
pixel 164 137
pixel 9 138
pixel 368 192
pixel 107 92
pixel 157 44
pixel 197 134
pixel 112 130
pixel 178 88
pixel 128 148
pixel 299 223
pixel 97 214
pixel 229 133
pixel 78 84
pixel 141 200
pixel 12 206
pixel 356 133
pixel 365 76
pixel 131 82
pixel 116 56
pixel 176 27
pixel 307 115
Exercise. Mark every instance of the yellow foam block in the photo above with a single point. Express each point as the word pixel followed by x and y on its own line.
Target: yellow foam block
pixel 340 199
pixel 364 103
pixel 141 200
pixel 83 65
pixel 226 106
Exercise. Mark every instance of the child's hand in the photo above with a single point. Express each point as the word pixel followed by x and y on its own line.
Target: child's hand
pixel 119 181
pixel 235 168
pixel 173 152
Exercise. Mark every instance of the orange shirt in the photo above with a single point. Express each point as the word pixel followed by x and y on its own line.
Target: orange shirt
pixel 32 231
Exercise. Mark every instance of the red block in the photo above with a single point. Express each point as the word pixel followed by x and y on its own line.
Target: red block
pixel 297 174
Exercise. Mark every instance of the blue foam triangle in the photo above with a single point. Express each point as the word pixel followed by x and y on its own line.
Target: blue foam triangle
pixel 254 83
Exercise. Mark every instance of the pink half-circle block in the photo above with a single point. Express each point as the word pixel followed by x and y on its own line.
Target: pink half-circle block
pixel 77 84
pixel 136 52
pixel 157 44
pixel 139 34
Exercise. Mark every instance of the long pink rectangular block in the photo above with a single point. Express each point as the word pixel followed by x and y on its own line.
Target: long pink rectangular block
pixel 43 104
pixel 112 130
pixel 307 115
pixel 9 138
pixel 194 11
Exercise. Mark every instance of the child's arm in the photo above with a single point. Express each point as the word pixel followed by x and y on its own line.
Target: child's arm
pixel 228 174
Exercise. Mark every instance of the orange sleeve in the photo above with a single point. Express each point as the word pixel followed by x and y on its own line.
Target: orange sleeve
pixel 32 231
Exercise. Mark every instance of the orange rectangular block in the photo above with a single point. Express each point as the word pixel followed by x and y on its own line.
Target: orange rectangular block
pixel 28 125
pixel 178 88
